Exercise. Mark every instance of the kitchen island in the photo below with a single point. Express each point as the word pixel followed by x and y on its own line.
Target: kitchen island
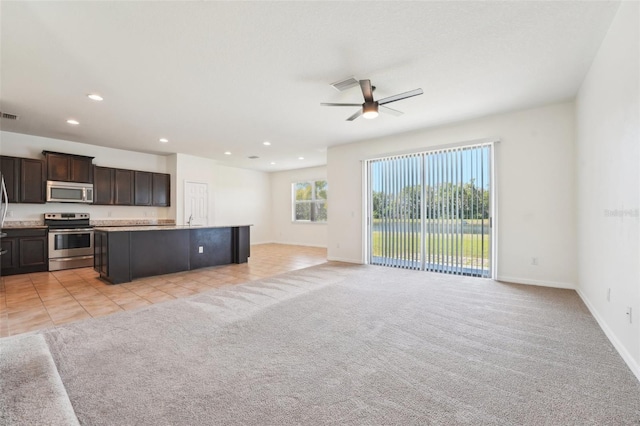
pixel 125 253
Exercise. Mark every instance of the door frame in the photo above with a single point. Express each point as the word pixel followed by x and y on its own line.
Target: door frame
pixel 367 219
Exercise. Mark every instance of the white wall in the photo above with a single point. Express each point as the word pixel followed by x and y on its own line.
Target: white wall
pixel 285 231
pixel 236 196
pixel 26 146
pixel 535 184
pixel 608 157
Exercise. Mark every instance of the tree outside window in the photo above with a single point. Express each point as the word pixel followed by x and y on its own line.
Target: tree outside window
pixel 310 201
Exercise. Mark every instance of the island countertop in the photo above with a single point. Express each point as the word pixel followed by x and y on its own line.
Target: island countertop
pixel 160 227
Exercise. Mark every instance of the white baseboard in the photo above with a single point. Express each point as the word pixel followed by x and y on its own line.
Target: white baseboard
pixel 624 353
pixel 289 244
pixel 526 281
pixel 261 242
pixel 344 259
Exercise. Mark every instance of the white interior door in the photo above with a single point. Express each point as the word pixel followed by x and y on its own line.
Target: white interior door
pixel 196 203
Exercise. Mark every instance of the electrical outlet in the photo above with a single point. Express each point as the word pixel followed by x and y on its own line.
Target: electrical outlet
pixel 534 261
pixel 200 249
pixel 609 295
pixel 629 314
pixel 9 213
pixel 108 214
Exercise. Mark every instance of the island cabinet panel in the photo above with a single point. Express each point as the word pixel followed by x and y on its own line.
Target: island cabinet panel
pixel 242 244
pixel 159 252
pixel 211 247
pixel 143 191
pixel 111 256
pixel 121 255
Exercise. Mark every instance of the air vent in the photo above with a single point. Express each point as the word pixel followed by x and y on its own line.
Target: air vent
pixel 8 116
pixel 253 157
pixel 343 85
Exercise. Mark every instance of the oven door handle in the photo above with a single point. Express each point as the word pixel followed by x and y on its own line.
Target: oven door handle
pixel 69 259
pixel 70 231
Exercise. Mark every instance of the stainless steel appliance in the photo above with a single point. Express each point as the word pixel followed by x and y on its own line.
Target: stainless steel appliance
pixel 70 240
pixel 69 192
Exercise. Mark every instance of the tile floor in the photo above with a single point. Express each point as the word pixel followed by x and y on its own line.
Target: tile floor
pixel 34 301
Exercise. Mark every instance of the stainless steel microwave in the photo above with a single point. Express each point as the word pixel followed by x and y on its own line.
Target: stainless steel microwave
pixel 69 192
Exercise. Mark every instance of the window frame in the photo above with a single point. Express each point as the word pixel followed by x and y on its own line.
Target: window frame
pixel 313 201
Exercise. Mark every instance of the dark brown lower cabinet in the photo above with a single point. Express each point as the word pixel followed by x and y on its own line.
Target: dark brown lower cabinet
pixel 26 251
pixel 122 256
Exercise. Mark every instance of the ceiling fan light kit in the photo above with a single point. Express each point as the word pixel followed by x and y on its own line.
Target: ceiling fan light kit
pixel 369 109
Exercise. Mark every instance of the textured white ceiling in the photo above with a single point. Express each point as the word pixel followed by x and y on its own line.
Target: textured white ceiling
pixel 226 76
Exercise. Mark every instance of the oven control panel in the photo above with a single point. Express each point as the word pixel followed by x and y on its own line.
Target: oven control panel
pixel 66 216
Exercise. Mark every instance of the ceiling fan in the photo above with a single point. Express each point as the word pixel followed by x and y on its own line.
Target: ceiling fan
pixel 369 109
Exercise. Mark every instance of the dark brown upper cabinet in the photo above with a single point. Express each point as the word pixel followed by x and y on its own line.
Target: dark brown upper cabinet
pixel 68 167
pixel 123 187
pixel 143 191
pixel 32 173
pixel 10 170
pixel 103 185
pixel 161 190
pixel 24 179
pixel 130 187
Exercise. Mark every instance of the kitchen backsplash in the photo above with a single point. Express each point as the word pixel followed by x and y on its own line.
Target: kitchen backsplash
pixel 114 222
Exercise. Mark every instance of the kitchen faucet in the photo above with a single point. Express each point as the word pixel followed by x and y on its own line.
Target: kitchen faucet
pixel 190 219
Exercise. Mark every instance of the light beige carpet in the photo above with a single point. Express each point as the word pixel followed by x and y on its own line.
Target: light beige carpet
pixel 349 344
pixel 31 392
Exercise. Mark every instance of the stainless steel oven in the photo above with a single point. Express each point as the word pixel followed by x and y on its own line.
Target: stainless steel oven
pixel 70 240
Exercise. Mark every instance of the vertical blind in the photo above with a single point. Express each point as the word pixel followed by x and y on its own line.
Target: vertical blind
pixel 431 210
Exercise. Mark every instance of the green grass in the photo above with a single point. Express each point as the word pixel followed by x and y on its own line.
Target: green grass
pixel 444 221
pixel 469 247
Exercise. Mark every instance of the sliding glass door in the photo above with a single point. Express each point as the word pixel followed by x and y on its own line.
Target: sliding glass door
pixel 432 210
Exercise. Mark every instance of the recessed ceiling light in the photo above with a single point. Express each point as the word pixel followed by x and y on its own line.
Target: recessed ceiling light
pixel 163 140
pixel 300 158
pixel 74 122
pixel 273 162
pixel 95 97
pixel 227 153
pixel 266 143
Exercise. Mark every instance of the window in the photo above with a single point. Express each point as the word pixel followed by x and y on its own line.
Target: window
pixel 310 201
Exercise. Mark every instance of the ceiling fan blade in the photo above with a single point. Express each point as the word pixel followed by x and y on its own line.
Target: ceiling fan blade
pixel 388 110
pixel 367 91
pixel 333 104
pixel 400 96
pixel 356 115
